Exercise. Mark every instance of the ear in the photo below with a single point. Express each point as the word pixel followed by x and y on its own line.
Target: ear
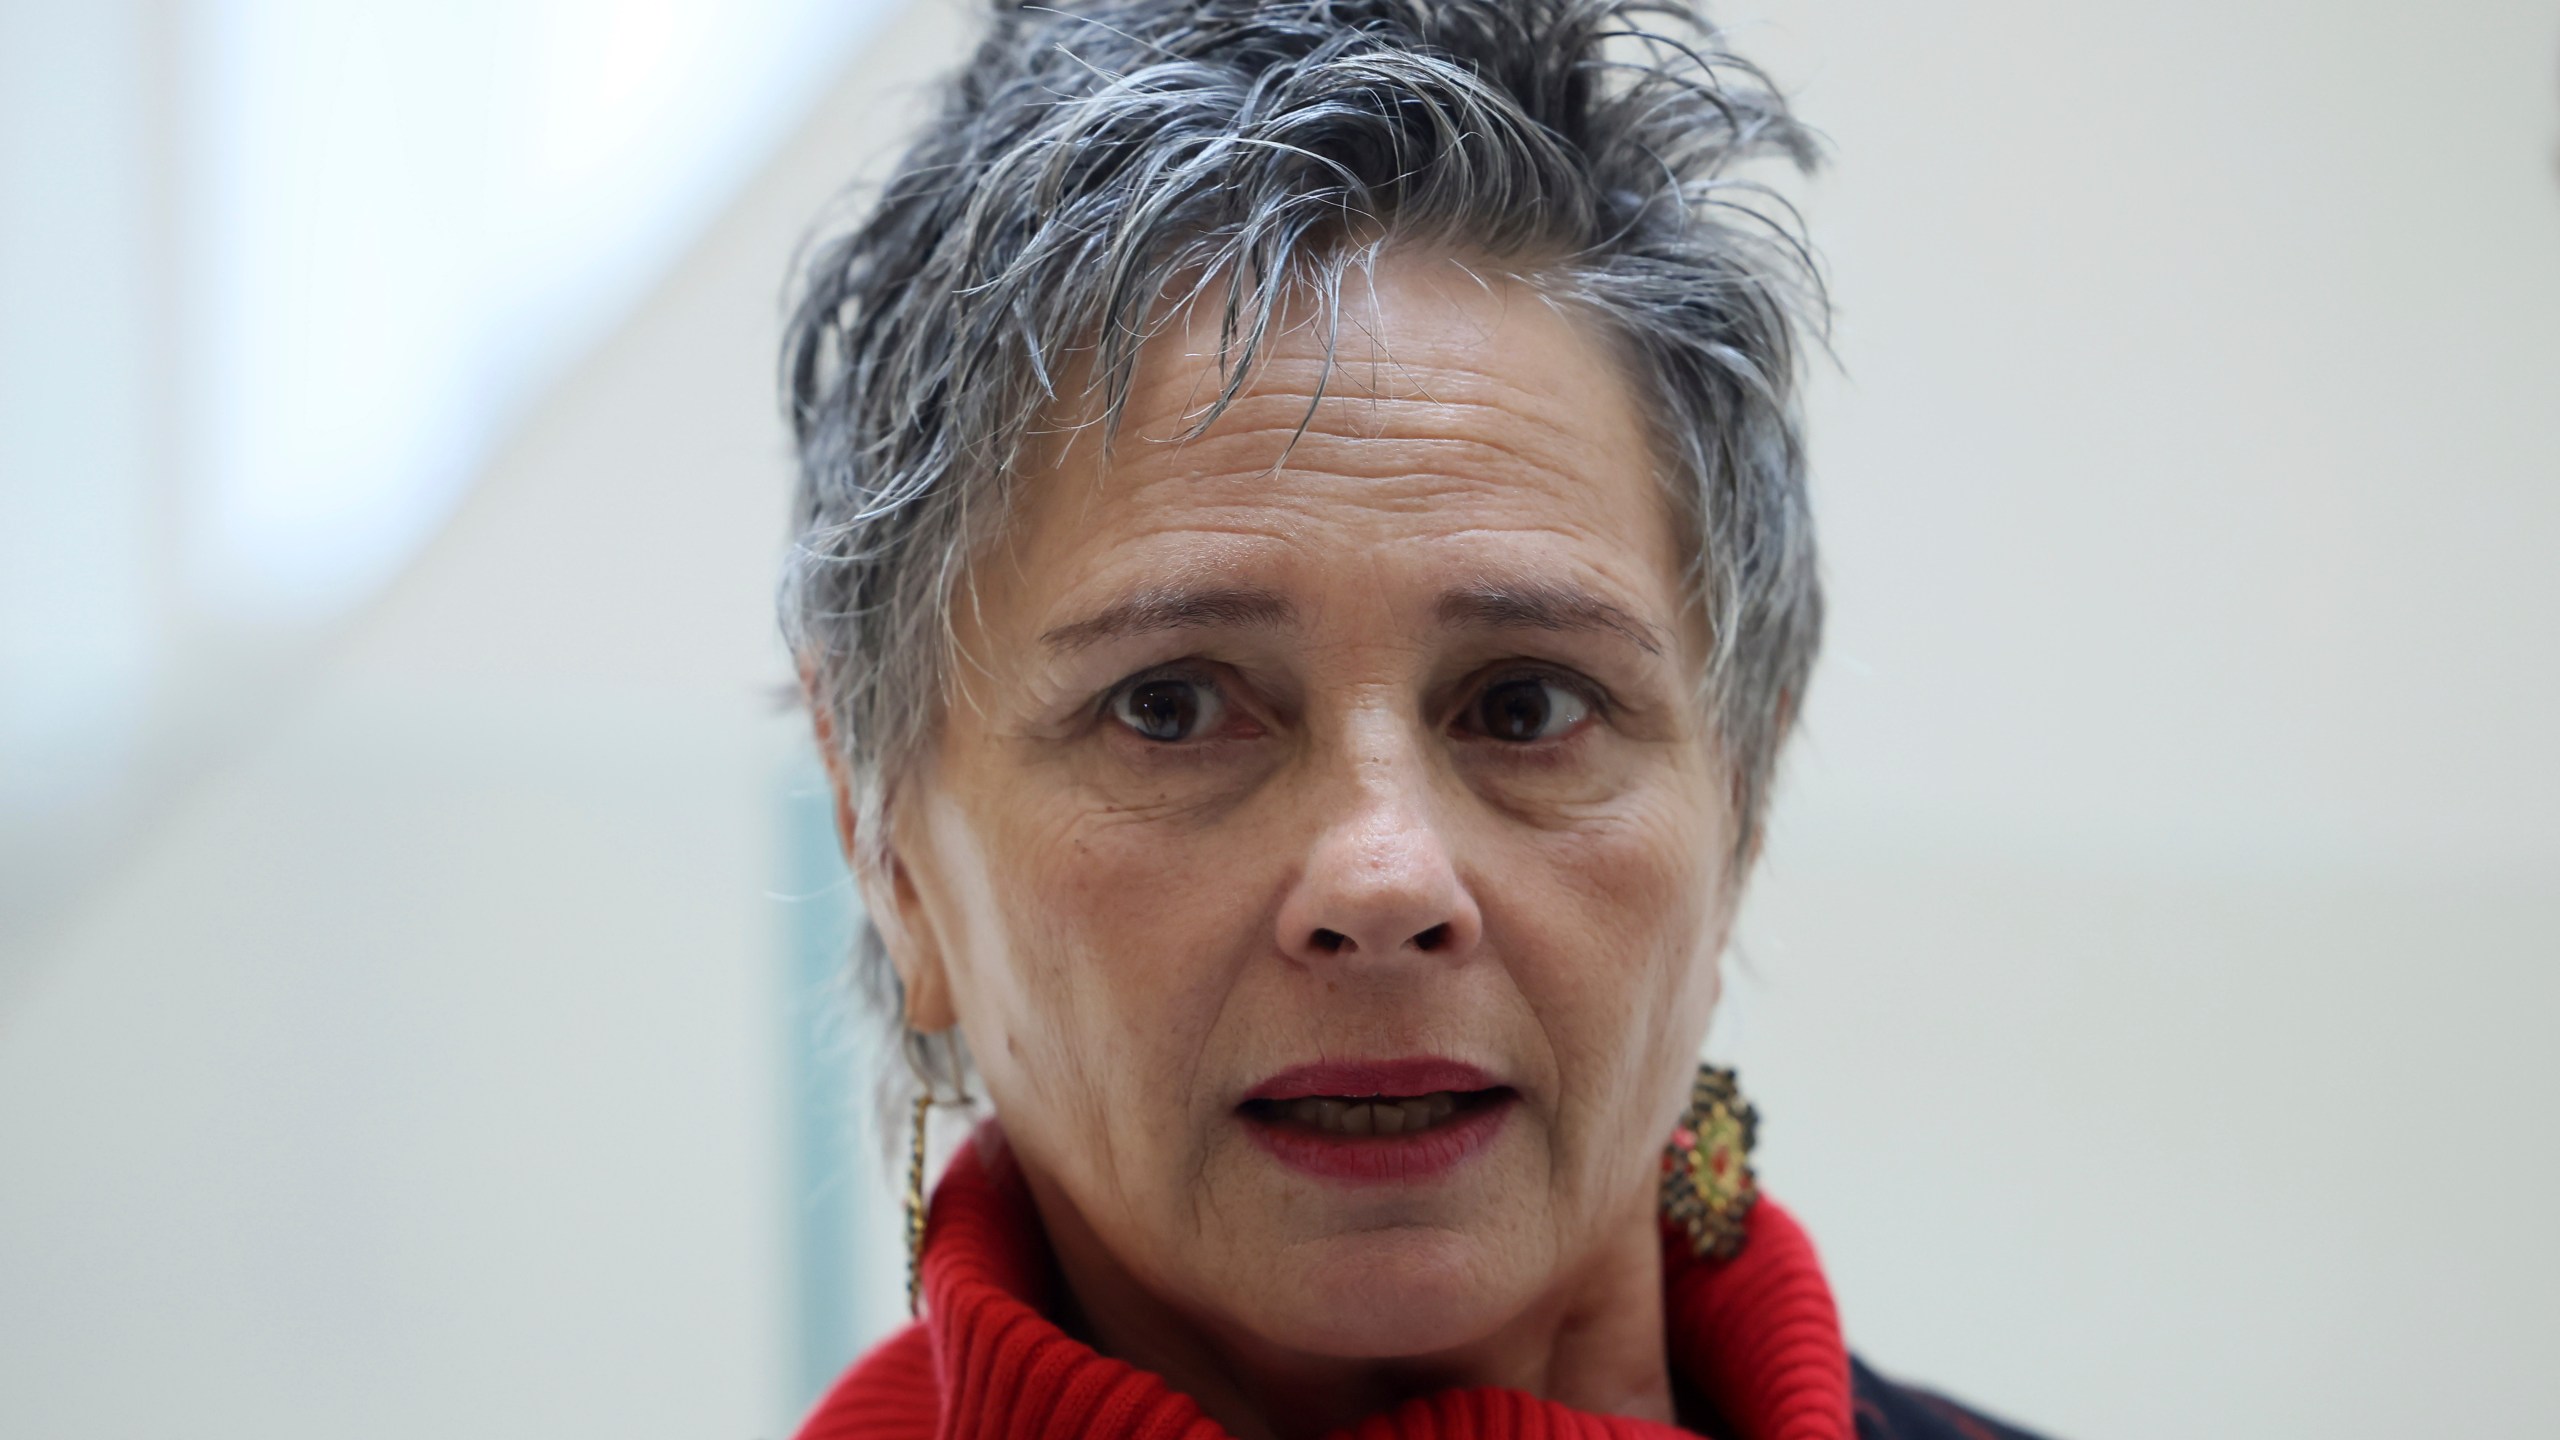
pixel 889 894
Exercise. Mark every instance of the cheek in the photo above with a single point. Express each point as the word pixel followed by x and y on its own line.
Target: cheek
pixel 1119 940
pixel 1623 914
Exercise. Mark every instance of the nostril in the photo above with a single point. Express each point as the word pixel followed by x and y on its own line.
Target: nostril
pixel 1330 941
pixel 1432 939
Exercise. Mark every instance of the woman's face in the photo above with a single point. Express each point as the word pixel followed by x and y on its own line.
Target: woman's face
pixel 1324 853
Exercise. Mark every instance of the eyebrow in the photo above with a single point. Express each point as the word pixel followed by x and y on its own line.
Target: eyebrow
pixel 1152 611
pixel 1499 605
pixel 1541 606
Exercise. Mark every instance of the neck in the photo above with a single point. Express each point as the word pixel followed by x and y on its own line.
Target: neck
pixel 1595 1342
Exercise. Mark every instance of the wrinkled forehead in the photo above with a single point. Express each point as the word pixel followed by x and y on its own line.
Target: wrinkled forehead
pixel 1442 414
pixel 1370 328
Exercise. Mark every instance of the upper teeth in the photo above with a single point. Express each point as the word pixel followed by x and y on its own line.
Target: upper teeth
pixel 1374 1116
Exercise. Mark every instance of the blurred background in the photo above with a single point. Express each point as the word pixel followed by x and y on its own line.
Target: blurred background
pixel 419 925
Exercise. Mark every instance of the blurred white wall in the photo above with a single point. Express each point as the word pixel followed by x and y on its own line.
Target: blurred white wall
pixel 2145 990
pixel 2150 979
pixel 275 278
pixel 424 1070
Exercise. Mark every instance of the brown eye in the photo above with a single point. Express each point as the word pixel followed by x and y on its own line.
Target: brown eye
pixel 1525 709
pixel 1168 708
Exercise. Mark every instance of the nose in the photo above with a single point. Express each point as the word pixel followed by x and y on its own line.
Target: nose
pixel 1379 882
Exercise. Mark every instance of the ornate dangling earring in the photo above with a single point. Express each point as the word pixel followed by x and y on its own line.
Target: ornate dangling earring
pixel 915 1205
pixel 922 1064
pixel 1707 1185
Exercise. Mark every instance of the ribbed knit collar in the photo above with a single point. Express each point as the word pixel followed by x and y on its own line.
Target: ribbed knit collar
pixel 1758 1336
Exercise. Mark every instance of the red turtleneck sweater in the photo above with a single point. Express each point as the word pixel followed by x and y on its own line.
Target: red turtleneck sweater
pixel 1757 1336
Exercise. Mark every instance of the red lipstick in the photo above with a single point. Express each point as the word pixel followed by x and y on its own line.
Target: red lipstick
pixel 1372 1122
pixel 1400 1078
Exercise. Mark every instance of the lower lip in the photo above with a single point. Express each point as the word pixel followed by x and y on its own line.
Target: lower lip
pixel 1384 1159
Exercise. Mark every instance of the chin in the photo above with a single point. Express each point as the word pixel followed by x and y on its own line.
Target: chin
pixel 1402 1291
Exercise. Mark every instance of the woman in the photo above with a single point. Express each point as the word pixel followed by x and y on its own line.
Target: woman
pixel 1303 576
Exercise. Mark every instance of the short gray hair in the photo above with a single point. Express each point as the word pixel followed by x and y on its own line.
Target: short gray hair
pixel 1099 164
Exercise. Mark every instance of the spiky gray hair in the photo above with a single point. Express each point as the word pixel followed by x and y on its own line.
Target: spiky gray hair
pixel 1100 164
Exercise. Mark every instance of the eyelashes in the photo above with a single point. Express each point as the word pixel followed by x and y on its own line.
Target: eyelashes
pixel 1515 706
pixel 1168 709
pixel 1525 709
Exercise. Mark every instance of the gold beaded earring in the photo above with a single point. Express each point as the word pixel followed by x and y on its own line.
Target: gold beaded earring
pixel 1707 1185
pixel 923 1066
pixel 915 1204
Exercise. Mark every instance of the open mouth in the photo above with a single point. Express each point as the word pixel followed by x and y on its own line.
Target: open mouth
pixel 1378 1139
pixel 1353 1117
